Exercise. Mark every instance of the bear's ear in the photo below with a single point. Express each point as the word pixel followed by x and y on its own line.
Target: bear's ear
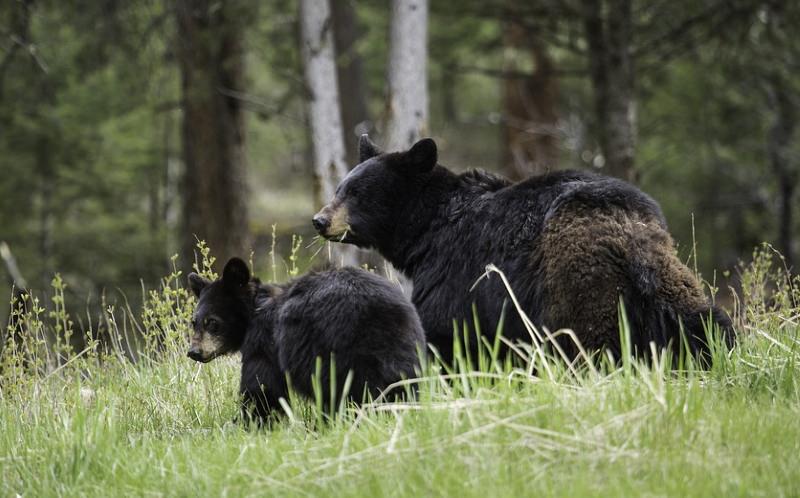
pixel 422 156
pixel 366 148
pixel 197 283
pixel 236 273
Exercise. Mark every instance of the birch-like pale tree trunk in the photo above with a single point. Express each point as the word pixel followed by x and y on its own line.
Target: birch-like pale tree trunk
pixel 407 99
pixel 323 108
pixel 407 82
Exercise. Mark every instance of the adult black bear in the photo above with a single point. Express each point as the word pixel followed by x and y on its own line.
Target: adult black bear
pixel 361 320
pixel 571 243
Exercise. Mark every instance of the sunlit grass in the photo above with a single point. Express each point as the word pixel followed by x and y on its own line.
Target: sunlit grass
pixel 94 422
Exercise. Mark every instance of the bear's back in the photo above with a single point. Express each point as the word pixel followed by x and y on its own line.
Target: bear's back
pixel 488 213
pixel 553 191
pixel 360 319
pixel 488 221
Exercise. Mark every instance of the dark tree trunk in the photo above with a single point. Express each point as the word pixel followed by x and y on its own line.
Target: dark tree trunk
pixel 214 191
pixel 350 76
pixel 779 142
pixel 18 30
pixel 44 168
pixel 783 103
pixel 530 115
pixel 44 163
pixel 609 33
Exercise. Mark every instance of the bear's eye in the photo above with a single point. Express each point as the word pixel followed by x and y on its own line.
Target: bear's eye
pixel 210 323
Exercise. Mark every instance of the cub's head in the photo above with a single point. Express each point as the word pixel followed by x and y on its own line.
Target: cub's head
pixel 368 202
pixel 223 311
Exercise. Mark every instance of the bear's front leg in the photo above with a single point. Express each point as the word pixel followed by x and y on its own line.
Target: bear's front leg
pixel 259 408
pixel 261 387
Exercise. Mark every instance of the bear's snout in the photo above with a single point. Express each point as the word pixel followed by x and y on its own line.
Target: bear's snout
pixel 321 223
pixel 195 354
pixel 332 220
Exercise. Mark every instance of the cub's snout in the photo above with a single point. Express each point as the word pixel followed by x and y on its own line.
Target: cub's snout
pixel 195 354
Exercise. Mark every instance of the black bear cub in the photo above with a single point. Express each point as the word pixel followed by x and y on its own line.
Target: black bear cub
pixel 360 320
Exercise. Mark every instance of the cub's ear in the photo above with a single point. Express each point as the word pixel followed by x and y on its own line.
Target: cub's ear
pixel 366 148
pixel 236 273
pixel 422 156
pixel 197 283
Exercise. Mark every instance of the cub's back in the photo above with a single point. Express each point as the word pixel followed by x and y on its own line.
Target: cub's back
pixel 362 319
pixel 345 293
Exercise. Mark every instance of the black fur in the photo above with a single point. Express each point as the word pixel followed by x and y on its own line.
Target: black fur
pixel 361 320
pixel 571 243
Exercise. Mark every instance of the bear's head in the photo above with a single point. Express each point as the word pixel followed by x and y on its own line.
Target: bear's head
pixel 368 202
pixel 223 311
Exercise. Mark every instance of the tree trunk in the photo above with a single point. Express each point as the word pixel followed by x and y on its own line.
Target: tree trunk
pixel 779 141
pixel 19 30
pixel 323 108
pixel 353 94
pixel 44 168
pixel 407 100
pixel 611 69
pixel 530 116
pixel 214 190
pixel 406 118
pixel 783 103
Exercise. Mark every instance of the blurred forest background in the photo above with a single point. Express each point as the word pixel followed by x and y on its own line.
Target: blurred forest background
pixel 129 127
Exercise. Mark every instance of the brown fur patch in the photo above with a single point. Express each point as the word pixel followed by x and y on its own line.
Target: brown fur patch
pixel 208 345
pixel 339 221
pixel 588 258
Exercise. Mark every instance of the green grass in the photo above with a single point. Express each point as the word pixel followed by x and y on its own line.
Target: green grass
pixel 101 424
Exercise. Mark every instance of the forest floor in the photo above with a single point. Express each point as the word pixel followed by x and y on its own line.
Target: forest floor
pixel 96 423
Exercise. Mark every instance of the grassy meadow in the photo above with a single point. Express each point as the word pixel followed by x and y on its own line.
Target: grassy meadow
pixel 130 415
